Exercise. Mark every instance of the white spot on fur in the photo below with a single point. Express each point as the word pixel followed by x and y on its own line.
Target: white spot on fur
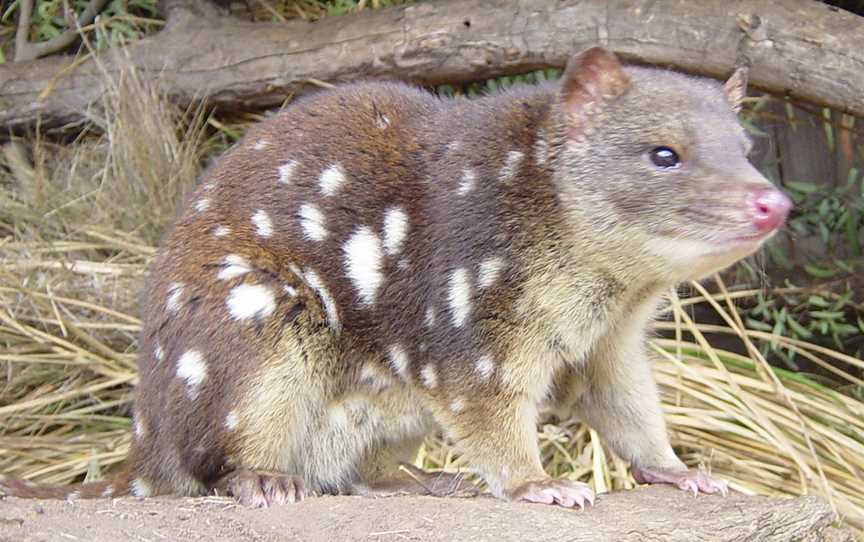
pixel 139 488
pixel 429 376
pixel 485 366
pixel 430 316
pixel 286 171
pixel 338 414
pixel 511 166
pixel 372 376
pixel 261 144
pixel 250 301
pixel 315 282
pixel 457 405
pixel 363 263
pixel 403 264
pixel 395 230
pixel 231 421
pixel 158 353
pixel 221 231
pixel 175 292
pixel 262 223
pixel 290 290
pixel 454 146
pixel 202 205
pixel 140 429
pixel 331 179
pixel 192 368
pixel 108 491
pixel 490 269
pixel 382 121
pixel 233 266
pixel 467 182
pixel 459 295
pixel 399 360
pixel 541 149
pixel 313 222
pixel 73 496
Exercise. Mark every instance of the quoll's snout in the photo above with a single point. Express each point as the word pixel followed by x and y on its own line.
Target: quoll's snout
pixel 768 208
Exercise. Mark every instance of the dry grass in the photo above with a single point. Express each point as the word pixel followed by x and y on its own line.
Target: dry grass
pixel 80 223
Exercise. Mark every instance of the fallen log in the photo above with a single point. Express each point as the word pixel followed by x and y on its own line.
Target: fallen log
pixel 802 48
pixel 648 513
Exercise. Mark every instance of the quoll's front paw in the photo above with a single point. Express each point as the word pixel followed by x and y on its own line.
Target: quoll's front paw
pixel 692 481
pixel 263 489
pixel 566 493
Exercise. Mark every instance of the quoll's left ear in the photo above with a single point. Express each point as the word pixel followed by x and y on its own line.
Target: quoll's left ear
pixel 591 79
pixel 736 88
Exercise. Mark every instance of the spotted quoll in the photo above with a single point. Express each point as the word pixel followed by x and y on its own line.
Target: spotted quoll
pixel 376 263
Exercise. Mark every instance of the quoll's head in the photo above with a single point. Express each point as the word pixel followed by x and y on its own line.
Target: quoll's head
pixel 661 157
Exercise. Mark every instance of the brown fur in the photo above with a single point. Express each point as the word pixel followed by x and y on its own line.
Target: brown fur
pixel 560 241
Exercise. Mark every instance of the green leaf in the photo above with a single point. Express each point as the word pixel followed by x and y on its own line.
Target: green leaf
pixel 817 300
pixel 852 232
pixel 845 329
pixel 798 329
pixel 824 233
pixel 756 324
pixel 827 315
pixel 819 272
pixel 841 301
pixel 800 186
pixel 829 128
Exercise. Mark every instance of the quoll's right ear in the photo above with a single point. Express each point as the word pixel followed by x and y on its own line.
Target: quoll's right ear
pixel 736 88
pixel 591 79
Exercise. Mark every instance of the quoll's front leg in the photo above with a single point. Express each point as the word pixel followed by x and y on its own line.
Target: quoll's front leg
pixel 689 480
pixel 622 404
pixel 497 432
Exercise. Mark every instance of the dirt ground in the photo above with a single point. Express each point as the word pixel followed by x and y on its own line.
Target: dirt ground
pixel 639 514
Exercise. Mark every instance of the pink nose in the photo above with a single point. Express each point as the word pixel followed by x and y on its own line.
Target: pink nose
pixel 769 208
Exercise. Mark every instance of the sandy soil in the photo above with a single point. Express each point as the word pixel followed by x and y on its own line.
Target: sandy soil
pixel 396 519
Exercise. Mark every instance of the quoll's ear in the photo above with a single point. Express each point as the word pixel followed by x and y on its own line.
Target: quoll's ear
pixel 591 78
pixel 736 88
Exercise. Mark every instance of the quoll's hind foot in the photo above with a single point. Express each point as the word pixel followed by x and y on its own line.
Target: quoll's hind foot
pixel 692 481
pixel 441 484
pixel 262 489
pixel 567 493
pixel 412 480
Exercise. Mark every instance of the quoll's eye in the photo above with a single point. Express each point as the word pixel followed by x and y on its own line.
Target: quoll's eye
pixel 665 158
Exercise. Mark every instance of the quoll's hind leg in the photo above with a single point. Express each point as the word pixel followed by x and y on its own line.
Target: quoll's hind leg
pixel 388 472
pixel 258 489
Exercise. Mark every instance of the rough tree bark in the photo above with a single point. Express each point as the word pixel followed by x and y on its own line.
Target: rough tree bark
pixel 800 47
pixel 648 513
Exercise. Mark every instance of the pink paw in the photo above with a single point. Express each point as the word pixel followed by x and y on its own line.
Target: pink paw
pixel 567 493
pixel 692 481
pixel 263 489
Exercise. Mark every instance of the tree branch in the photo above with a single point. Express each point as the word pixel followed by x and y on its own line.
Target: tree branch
pixel 645 513
pixel 799 47
pixel 24 50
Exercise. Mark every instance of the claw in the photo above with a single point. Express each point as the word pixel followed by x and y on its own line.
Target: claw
pixel 262 489
pixel 566 493
pixel 690 480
